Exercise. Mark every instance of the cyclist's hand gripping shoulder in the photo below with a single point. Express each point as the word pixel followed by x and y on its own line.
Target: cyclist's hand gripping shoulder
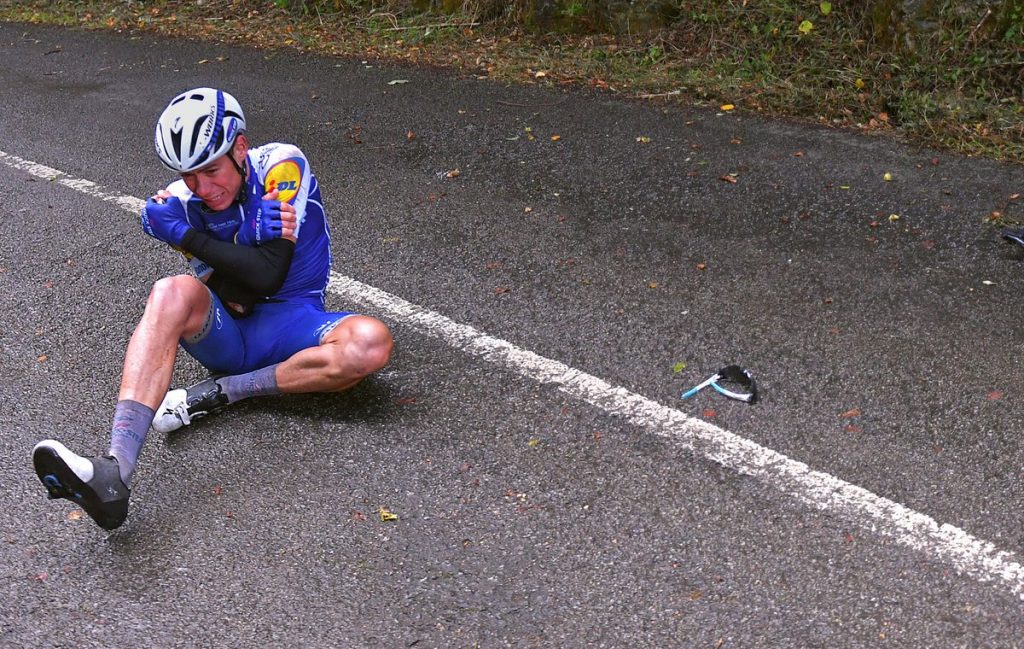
pixel 273 220
pixel 163 218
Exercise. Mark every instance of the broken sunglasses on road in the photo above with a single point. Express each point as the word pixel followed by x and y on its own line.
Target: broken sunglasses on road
pixel 742 386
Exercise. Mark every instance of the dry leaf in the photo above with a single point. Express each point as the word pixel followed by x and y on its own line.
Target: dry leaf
pixel 729 178
pixel 994 395
pixel 75 515
pixel 555 138
pixel 43 359
pixel 709 413
pixel 386 515
pixel 500 290
pixel 454 173
pixel 853 412
pixel 728 107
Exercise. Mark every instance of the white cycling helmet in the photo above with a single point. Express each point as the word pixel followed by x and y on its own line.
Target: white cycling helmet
pixel 197 127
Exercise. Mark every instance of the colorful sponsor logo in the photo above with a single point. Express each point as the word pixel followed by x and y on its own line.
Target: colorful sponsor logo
pixel 285 177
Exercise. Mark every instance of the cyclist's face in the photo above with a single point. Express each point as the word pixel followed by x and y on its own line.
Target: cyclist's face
pixel 217 183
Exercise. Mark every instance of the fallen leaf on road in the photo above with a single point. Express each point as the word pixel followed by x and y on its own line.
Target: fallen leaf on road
pixel 702 266
pixel 853 412
pixel 75 515
pixel 500 290
pixel 643 139
pixel 728 107
pixel 533 443
pixel 853 428
pixel 454 173
pixel 709 413
pixel 43 359
pixel 678 367
pixel 729 178
pixel 555 138
pixel 386 515
pixel 994 395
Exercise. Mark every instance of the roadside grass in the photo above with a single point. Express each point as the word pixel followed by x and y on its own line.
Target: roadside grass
pixel 957 86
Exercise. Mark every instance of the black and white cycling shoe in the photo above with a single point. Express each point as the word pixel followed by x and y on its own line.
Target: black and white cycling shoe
pixel 94 484
pixel 181 406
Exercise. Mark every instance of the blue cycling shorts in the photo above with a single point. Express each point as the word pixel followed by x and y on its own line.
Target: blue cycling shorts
pixel 272 333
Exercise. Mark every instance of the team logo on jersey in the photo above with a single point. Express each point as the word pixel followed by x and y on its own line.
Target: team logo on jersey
pixel 285 177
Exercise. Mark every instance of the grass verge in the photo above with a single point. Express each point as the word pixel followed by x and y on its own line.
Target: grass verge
pixel 955 86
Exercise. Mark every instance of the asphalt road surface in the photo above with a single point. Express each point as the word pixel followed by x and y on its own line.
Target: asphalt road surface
pixel 591 258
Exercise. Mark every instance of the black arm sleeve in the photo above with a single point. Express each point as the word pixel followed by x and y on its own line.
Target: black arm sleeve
pixel 262 269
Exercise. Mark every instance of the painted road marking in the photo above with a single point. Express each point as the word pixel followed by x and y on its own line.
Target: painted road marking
pixel 967 554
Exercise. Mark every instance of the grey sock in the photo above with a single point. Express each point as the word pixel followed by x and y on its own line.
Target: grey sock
pixel 258 383
pixel 131 423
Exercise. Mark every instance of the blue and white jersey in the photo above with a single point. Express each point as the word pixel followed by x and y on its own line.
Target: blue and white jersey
pixel 285 168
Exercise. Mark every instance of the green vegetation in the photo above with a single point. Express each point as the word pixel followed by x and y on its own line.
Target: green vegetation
pixel 948 73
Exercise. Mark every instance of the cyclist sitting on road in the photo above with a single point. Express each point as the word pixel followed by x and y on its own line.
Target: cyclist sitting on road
pixel 251 224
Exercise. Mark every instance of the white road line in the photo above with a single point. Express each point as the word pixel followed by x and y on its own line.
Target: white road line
pixel 967 554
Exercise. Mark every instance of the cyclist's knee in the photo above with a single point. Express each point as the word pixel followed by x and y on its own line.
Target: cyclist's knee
pixel 179 294
pixel 361 344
